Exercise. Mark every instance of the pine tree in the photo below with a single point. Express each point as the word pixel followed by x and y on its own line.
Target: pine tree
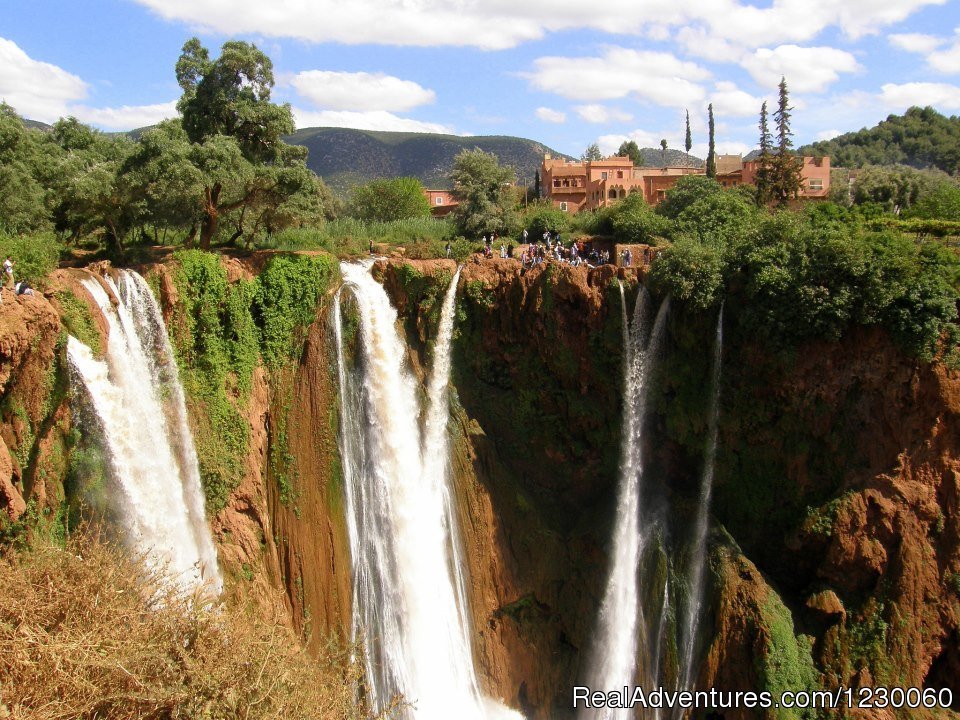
pixel 536 185
pixel 764 169
pixel 711 148
pixel 785 170
pixel 688 139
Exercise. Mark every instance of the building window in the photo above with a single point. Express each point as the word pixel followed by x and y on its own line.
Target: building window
pixel 612 194
pixel 439 200
pixel 563 206
pixel 816 183
pixel 603 176
pixel 619 173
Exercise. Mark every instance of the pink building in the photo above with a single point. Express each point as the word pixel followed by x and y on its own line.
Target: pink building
pixel 588 185
pixel 442 202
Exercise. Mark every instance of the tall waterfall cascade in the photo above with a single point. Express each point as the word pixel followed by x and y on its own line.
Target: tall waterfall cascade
pixel 138 402
pixel 408 585
pixel 613 657
pixel 698 546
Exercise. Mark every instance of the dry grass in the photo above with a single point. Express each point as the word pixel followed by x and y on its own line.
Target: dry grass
pixel 85 634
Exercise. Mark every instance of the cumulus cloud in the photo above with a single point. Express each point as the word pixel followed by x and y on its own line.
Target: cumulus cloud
pixel 915 42
pixel 900 97
pixel 947 60
pixel 369 120
pixel 360 91
pixel 730 101
pixel 499 24
pixel 37 90
pixel 600 114
pixel 550 115
pixel 810 69
pixel 658 77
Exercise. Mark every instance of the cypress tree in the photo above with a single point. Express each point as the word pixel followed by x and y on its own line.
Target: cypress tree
pixel 536 185
pixel 785 175
pixel 688 139
pixel 763 171
pixel 711 149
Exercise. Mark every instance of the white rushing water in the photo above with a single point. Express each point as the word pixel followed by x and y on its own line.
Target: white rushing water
pixel 698 550
pixel 138 401
pixel 613 660
pixel 407 572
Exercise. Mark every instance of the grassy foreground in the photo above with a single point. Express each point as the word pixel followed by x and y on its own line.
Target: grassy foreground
pixel 85 634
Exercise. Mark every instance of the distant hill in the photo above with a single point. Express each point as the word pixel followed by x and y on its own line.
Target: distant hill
pixel 344 157
pixel 921 138
pixel 36 125
pixel 652 157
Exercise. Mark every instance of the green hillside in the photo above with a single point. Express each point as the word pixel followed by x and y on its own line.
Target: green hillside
pixel 920 138
pixel 344 157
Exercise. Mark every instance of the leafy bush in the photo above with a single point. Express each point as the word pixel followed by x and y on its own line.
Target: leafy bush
pixel 687 190
pixel 542 217
pixel 285 301
pixel 78 320
pixel 690 271
pixel 633 221
pixel 384 200
pixel 34 256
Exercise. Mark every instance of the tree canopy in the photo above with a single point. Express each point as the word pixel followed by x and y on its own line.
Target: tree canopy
pixel 482 187
pixel 389 199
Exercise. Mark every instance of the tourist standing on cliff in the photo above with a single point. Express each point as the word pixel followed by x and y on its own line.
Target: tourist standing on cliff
pixel 8 272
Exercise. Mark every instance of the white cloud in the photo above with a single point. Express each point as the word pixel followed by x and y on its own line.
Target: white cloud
pixel 370 120
pixel 360 91
pixel 730 101
pixel 500 24
pixel 699 42
pixel 37 90
pixel 915 42
pixel 600 114
pixel 939 95
pixel 658 77
pixel 948 59
pixel 828 134
pixel 808 69
pixel 551 116
pixel 126 117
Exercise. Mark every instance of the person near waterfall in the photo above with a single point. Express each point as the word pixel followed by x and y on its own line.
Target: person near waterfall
pixel 8 272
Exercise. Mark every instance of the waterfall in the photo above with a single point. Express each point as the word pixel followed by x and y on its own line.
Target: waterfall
pixel 139 404
pixel 613 661
pixel 698 550
pixel 407 573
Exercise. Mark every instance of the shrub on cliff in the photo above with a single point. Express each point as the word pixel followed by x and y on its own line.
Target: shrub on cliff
pixel 86 633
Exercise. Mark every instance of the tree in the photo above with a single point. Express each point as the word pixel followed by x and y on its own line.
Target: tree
pixel 763 171
pixel 630 149
pixel 592 153
pixel 688 139
pixel 785 177
pixel 235 130
pixel 482 187
pixel 663 152
pixel 711 148
pixel 386 200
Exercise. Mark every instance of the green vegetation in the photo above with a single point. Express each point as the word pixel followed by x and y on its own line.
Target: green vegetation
pixel 386 200
pixel 921 138
pixel 786 663
pixel 35 256
pixel 78 320
pixel 224 332
pixel 795 276
pixel 484 194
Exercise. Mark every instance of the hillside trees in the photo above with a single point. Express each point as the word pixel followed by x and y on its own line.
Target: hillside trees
pixel 482 187
pixel 389 199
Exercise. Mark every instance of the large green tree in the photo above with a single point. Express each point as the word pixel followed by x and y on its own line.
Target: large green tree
pixel 592 153
pixel 711 144
pixel 389 199
pixel 482 187
pixel 236 131
pixel 630 149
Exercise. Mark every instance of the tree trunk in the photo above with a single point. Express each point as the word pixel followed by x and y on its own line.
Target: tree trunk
pixel 191 236
pixel 209 226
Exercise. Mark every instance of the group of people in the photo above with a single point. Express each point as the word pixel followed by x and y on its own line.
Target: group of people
pixel 551 247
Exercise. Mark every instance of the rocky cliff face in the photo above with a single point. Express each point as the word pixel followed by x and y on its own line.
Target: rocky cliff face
pixel 836 540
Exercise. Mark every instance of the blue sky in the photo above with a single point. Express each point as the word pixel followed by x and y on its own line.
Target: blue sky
pixel 562 72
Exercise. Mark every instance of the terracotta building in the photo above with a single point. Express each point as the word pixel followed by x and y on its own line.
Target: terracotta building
pixel 442 202
pixel 587 185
